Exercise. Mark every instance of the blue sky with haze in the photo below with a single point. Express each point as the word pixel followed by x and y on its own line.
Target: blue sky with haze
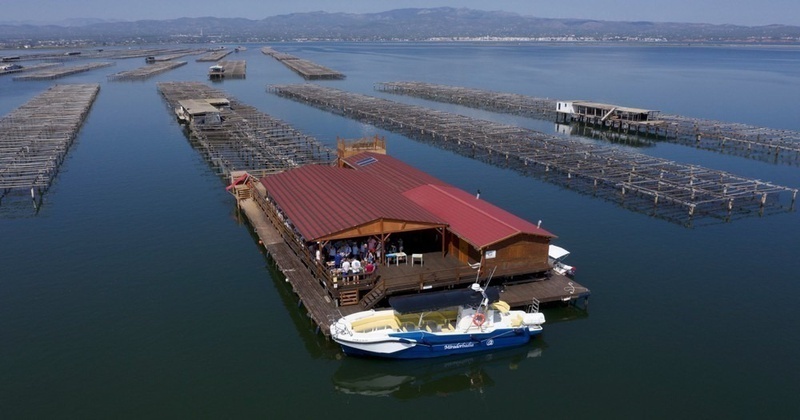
pixel 739 12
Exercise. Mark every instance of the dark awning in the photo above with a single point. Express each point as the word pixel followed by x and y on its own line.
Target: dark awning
pixel 438 300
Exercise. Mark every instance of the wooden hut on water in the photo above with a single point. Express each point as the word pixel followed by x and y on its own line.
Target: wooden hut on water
pixel 430 234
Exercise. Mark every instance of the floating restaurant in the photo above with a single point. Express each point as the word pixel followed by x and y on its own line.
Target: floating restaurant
pixel 372 227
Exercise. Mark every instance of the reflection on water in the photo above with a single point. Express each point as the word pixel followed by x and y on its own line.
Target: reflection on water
pixel 607 135
pixel 408 379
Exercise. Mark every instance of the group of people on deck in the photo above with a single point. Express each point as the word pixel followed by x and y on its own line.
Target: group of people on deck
pixel 349 257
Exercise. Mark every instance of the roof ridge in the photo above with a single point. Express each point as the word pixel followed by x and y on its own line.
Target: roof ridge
pixel 514 228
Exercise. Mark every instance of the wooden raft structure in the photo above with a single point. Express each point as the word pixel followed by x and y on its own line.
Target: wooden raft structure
pixel 643 183
pixel 55 73
pixel 750 141
pixel 307 69
pixel 35 138
pixel 246 139
pixel 147 71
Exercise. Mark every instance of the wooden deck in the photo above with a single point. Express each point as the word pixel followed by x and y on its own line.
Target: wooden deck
pixel 447 272
pixel 320 307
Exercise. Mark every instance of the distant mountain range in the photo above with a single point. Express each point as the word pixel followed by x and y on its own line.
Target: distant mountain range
pixel 403 24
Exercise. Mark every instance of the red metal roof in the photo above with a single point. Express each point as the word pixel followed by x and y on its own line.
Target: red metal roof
pixel 477 221
pixel 399 175
pixel 323 200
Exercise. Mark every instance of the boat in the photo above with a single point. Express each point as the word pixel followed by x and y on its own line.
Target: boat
pixel 437 324
pixel 555 256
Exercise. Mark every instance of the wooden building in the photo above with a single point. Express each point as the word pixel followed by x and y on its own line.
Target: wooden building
pixel 201 111
pixel 449 236
pixel 596 112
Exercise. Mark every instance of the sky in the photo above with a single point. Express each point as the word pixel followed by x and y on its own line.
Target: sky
pixel 738 12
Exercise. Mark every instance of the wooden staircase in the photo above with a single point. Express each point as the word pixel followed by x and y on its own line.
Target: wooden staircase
pixel 375 295
pixel 349 297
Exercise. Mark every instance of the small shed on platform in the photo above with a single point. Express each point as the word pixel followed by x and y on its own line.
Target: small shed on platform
pixel 603 112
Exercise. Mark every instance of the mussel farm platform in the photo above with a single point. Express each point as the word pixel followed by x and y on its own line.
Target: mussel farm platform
pixel 245 138
pixel 781 146
pixel 57 72
pixel 215 55
pixel 35 137
pixel 307 69
pixel 147 71
pixel 234 69
pixel 659 187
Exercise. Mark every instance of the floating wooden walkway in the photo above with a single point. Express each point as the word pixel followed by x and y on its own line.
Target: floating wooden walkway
pixel 247 139
pixel 35 138
pixel 147 71
pixel 781 146
pixel 55 73
pixel 319 306
pixel 643 183
pixel 215 55
pixel 307 69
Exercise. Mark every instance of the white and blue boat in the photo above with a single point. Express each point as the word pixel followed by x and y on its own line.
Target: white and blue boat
pixel 437 324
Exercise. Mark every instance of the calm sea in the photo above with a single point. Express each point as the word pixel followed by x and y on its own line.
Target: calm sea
pixel 137 291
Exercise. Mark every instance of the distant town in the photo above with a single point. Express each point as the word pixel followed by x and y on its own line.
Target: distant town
pixel 419 25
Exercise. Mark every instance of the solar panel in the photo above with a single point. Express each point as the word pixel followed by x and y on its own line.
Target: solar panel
pixel 366 161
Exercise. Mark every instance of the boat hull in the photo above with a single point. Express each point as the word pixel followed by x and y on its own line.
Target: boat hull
pixel 420 345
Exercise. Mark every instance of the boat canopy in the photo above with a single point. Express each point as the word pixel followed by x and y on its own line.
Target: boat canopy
pixel 438 300
pixel 556 252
